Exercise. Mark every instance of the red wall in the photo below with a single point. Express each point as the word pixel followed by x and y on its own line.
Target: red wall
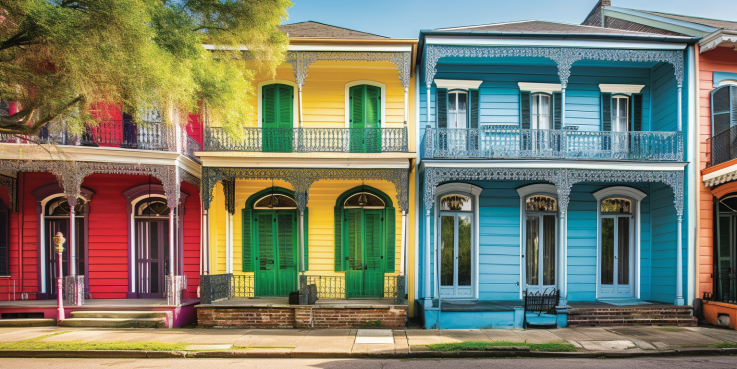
pixel 107 234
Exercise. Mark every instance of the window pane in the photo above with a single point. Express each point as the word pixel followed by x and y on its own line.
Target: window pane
pixel 362 199
pixel 276 201
pixel 616 206
pixel 549 250
pixel 447 239
pixel 531 250
pixel 452 101
pixel 607 251
pixel 462 104
pixel 721 100
pixel 464 250
pixel 541 203
pixel 623 250
pixel 455 203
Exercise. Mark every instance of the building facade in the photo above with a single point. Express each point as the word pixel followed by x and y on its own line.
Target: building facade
pixel 714 104
pixel 553 160
pixel 316 196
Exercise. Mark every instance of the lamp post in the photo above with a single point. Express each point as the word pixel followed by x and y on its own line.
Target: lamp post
pixel 59 242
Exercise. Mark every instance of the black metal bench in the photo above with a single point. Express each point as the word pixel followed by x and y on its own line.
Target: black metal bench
pixel 539 303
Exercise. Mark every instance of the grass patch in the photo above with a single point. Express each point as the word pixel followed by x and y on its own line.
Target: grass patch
pixel 724 345
pixel 34 344
pixel 667 329
pixel 481 345
pixel 262 347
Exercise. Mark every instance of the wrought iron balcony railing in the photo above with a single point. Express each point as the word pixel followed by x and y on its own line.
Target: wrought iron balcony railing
pixel 725 287
pixel 125 134
pixel 348 140
pixel 723 146
pixel 511 142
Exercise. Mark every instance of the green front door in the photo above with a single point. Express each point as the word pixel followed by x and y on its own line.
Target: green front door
pixel 365 118
pixel 277 112
pixel 365 272
pixel 276 260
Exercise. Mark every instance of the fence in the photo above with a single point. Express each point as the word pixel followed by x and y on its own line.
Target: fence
pixel 723 146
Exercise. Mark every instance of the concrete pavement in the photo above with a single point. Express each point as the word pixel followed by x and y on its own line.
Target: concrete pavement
pixel 614 341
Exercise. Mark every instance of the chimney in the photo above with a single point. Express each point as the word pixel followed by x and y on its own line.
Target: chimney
pixel 595 17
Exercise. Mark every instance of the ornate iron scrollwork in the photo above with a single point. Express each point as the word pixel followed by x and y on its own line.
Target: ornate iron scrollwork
pixel 301 60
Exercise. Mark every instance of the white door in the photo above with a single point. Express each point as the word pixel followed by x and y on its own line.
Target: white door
pixel 456 238
pixel 457 119
pixel 616 257
pixel 620 126
pixel 540 251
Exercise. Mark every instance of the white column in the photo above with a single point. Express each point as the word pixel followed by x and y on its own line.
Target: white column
pixel 299 103
pixel 427 112
pixel 561 257
pixel 406 105
pixel 679 263
pixel 680 108
pixel 71 244
pixel 428 291
pixel 403 246
pixel 172 242
pixel 563 108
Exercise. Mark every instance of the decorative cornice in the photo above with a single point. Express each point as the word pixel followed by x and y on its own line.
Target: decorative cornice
pixel 713 40
pixel 301 60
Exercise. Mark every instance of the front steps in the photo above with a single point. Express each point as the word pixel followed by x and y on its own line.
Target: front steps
pixel 640 315
pixel 27 322
pixel 116 319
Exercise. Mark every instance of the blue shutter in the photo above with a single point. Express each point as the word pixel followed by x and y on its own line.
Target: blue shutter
pixel 525 117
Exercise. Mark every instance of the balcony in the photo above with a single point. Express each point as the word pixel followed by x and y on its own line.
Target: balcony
pixel 126 134
pixel 304 140
pixel 723 146
pixel 512 142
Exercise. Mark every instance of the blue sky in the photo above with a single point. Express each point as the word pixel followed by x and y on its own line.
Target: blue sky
pixel 404 18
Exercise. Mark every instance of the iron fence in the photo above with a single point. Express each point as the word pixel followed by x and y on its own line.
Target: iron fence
pixel 216 287
pixel 191 148
pixel 243 286
pixel 725 287
pixel 512 142
pixel 723 146
pixel 348 140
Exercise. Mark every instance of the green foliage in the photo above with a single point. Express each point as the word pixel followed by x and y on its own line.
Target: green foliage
pixel 481 345
pixel 69 58
pixel 36 344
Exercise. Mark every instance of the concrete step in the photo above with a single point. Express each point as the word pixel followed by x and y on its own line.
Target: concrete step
pixel 603 321
pixel 27 322
pixel 119 314
pixel 114 322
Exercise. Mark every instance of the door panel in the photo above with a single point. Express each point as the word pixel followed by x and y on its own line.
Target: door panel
pixel 540 252
pixel 365 242
pixel 373 285
pixel 266 273
pixel 287 252
pixel 616 257
pixel 354 273
pixel 62 225
pixel 447 255
pixel 152 239
pixel 456 236
pixel 532 254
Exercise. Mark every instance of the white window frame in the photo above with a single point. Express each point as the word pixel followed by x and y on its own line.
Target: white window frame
pixel 535 107
pixel 526 192
pixel 636 197
pixel 348 100
pixel 615 111
pixel 458 91
pixel 295 107
pixel 473 192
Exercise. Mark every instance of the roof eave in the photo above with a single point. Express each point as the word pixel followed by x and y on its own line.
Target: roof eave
pixel 675 24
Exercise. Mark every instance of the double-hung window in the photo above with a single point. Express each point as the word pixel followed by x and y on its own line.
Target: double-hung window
pixel 620 113
pixel 541 111
pixel 457 109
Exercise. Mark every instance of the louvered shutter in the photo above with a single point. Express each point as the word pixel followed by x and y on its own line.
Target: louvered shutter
pixel 724 250
pixel 636 113
pixel 391 239
pixel 265 241
pixel 356 105
pixel 733 104
pixel 606 112
pixel 247 241
pixel 474 109
pixel 338 230
pixel 721 110
pixel 524 109
pixel 307 238
pixel 372 121
pixel 557 110
pixel 287 240
pixel 285 106
pixel 373 240
pixel 268 106
pixel 5 241
pixel 441 107
pixel 355 239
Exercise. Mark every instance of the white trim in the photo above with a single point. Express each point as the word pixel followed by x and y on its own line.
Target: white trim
pixel 295 108
pixel 134 239
pixel 397 48
pixel 525 192
pixel 306 161
pixel 347 99
pixel 716 38
pixel 547 164
pixel 457 84
pixel 538 188
pixel 727 82
pixel 473 191
pixel 42 228
pixel 720 172
pixel 551 42
pixel 619 191
pixel 621 89
pixel 548 88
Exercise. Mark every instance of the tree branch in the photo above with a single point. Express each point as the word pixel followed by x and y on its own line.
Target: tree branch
pixel 18 122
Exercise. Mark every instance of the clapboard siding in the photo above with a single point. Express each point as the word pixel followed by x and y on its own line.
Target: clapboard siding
pixel 664 235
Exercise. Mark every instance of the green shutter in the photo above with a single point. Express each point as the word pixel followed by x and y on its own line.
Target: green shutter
pixel 338 229
pixel 268 106
pixel 373 106
pixel 524 109
pixel 373 240
pixel 636 103
pixel 356 105
pixel 441 104
pixel 285 106
pixel 391 239
pixel 265 240
pixel 474 109
pixel 606 112
pixel 557 110
pixel 307 238
pixel 287 241
pixel 355 239
pixel 247 241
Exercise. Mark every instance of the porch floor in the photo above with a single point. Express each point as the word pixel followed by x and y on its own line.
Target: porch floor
pixel 479 306
pixel 96 303
pixel 282 302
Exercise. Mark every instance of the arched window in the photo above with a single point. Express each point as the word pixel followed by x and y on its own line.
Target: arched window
pixel 59 207
pixel 275 201
pixel 364 200
pixel 152 207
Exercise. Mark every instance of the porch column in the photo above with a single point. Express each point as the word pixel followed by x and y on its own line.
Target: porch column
pixel 229 242
pixel 299 104
pixel 301 241
pixel 172 241
pixel 680 108
pixel 428 106
pixel 562 281
pixel 428 290
pixel 406 106
pixel 563 107
pixel 205 243
pixel 679 261
pixel 72 261
pixel 403 251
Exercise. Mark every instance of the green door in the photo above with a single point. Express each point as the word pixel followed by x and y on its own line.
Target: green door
pixel 276 238
pixel 365 273
pixel 365 119
pixel 277 118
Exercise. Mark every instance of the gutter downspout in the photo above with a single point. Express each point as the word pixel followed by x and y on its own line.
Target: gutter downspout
pixel 693 174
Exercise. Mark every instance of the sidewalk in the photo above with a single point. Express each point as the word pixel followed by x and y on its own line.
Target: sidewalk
pixel 336 343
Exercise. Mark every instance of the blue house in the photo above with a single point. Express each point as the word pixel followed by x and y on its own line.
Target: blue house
pixel 552 160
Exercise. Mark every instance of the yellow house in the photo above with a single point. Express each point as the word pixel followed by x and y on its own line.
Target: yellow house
pixel 318 196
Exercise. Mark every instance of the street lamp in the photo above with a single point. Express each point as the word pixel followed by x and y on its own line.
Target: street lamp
pixel 59 242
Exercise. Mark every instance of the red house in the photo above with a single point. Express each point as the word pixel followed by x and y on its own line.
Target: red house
pixel 125 195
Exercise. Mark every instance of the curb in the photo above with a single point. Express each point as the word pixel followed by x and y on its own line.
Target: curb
pixel 235 354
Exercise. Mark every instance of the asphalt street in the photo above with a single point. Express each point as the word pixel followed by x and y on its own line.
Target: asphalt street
pixel 640 363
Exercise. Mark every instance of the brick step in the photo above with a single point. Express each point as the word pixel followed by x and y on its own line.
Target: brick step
pixel 658 313
pixel 114 322
pixel 613 320
pixel 27 322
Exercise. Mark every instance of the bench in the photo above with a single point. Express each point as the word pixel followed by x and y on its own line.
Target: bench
pixel 541 302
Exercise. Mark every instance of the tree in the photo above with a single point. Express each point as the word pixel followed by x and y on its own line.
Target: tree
pixel 66 59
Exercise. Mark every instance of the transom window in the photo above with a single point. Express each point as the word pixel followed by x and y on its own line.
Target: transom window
pixel 541 111
pixel 455 202
pixel 457 109
pixel 620 113
pixel 275 201
pixel 616 205
pixel 60 207
pixel 364 200
pixel 541 203
pixel 152 207
pixel 728 204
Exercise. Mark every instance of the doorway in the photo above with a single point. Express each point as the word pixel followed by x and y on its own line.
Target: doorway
pixel 616 251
